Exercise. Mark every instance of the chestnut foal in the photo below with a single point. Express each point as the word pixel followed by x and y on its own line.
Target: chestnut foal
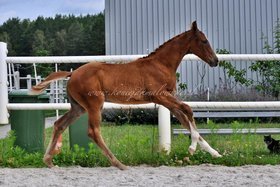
pixel 145 80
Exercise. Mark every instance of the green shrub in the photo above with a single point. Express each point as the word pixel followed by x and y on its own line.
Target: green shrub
pixel 269 71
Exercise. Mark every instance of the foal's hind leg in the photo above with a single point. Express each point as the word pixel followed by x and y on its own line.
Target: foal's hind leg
pixel 59 126
pixel 95 134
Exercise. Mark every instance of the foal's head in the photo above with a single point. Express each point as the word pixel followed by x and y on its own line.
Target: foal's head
pixel 200 46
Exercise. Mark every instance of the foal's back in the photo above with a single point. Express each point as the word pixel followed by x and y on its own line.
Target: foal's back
pixel 119 83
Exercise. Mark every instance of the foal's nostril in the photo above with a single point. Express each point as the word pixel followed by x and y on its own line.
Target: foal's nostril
pixel 217 60
pixel 214 62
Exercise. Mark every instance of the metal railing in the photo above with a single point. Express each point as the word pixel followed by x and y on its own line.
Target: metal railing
pixel 163 113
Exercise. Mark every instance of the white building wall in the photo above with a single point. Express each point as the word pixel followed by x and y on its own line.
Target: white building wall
pixel 140 26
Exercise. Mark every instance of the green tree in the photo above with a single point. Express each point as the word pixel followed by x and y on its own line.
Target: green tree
pixel 14 30
pixel 95 36
pixel 61 35
pixel 59 45
pixel 39 46
pixel 26 37
pixel 4 37
pixel 74 40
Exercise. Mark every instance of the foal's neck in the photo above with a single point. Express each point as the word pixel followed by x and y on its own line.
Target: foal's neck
pixel 171 53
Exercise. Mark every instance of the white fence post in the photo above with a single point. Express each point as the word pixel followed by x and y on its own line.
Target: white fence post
pixel 10 77
pixel 39 78
pixel 17 80
pixel 164 126
pixel 52 93
pixel 4 115
pixel 29 81
pixel 60 91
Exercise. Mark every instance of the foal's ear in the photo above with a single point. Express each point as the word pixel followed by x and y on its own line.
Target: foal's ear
pixel 194 26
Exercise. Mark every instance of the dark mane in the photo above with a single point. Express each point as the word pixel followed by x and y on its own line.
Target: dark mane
pixel 168 41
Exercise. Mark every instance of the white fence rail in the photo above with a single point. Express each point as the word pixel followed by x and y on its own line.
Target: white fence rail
pixel 127 58
pixel 196 106
pixel 164 115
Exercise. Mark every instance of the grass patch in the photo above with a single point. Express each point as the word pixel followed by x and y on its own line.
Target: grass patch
pixel 138 144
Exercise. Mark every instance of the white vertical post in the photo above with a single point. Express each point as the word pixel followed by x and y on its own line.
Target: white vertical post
pixel 17 80
pixel 29 81
pixel 208 99
pixel 10 77
pixel 39 78
pixel 164 126
pixel 56 92
pixel 4 115
pixel 60 89
pixel 35 73
pixel 52 93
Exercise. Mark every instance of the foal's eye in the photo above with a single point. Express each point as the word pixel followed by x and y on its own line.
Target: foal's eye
pixel 204 41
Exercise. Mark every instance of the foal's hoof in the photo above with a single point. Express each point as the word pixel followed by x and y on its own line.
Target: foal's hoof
pixel 121 166
pixel 48 161
pixel 55 167
pixel 217 155
pixel 191 150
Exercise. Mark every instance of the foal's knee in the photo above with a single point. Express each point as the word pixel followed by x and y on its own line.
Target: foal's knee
pixel 90 133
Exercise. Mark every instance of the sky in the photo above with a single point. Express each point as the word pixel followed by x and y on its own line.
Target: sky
pixel 31 9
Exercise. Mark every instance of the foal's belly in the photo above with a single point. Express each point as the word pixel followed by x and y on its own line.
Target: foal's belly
pixel 128 97
pixel 127 102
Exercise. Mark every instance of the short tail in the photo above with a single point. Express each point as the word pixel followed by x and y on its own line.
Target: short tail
pixel 39 88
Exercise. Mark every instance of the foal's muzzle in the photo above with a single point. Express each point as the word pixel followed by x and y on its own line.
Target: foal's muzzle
pixel 214 62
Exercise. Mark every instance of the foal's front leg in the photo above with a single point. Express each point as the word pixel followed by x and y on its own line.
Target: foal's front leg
pixel 205 146
pixel 196 138
pixel 184 114
pixel 188 125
